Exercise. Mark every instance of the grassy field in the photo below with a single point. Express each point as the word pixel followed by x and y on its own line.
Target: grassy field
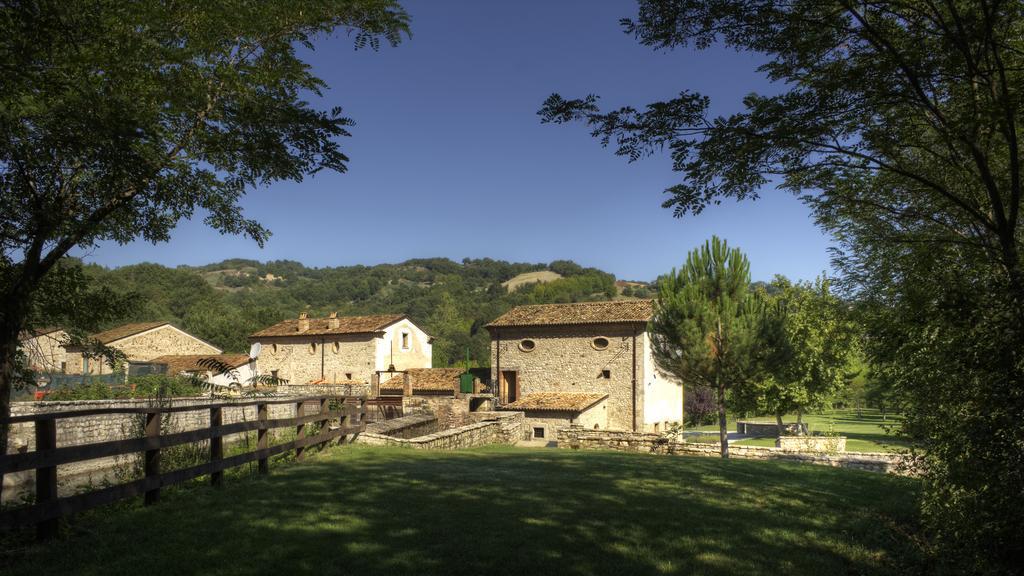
pixel 389 511
pixel 865 432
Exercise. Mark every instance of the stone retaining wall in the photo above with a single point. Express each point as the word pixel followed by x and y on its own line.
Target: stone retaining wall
pixel 768 429
pixel 451 411
pixel 500 428
pixel 411 426
pixel 831 444
pixel 574 437
pixel 110 427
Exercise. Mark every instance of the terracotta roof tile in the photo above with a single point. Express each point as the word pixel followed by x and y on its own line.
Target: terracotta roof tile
pixel 434 379
pixel 178 363
pixel 555 402
pixel 321 326
pixel 618 311
pixel 121 332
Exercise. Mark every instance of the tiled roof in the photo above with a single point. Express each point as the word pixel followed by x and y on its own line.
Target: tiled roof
pixel 433 379
pixel 178 363
pixel 121 332
pixel 613 312
pixel 555 402
pixel 321 326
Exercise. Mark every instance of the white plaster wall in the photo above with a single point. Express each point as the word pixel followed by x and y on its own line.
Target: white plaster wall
pixel 663 394
pixel 418 355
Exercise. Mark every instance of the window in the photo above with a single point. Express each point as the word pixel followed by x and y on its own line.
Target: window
pixel 527 345
pixel 348 375
pixel 599 343
pixel 597 426
pixel 538 432
pixel 273 349
pixel 405 340
pixel 312 347
pixel 656 428
pixel 273 374
pixel 606 374
pixel 63 367
pixel 337 347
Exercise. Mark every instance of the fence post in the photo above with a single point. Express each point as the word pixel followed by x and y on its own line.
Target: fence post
pixel 300 430
pixel 343 419
pixel 46 478
pixel 152 461
pixel 262 440
pixel 216 445
pixel 325 422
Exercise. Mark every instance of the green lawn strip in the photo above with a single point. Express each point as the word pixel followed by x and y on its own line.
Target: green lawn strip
pixel 865 431
pixel 370 511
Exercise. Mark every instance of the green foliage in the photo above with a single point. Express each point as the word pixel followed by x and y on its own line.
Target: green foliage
pixel 150 386
pixel 810 342
pixel 899 123
pixel 707 324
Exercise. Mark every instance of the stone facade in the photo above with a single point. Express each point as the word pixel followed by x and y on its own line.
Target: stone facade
pixel 160 341
pixel 45 351
pixel 578 438
pixel 544 425
pixel 567 359
pixel 333 358
pixel 451 412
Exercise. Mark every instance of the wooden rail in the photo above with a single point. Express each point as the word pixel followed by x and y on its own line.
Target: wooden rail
pixel 347 419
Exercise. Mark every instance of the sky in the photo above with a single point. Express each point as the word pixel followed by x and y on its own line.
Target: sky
pixel 449 158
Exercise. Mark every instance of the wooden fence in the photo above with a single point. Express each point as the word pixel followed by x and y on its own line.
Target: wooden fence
pixel 347 418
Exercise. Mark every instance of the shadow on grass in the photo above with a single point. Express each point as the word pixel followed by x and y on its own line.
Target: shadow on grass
pixel 373 511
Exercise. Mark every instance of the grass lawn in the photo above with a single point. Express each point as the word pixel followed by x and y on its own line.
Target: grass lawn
pixel 865 432
pixel 502 510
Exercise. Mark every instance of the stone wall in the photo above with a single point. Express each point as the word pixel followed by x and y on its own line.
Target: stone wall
pixel 564 359
pixel 451 411
pixel 768 429
pixel 492 428
pixel 812 443
pixel 111 427
pixel 405 427
pixel 144 346
pixel 324 389
pixel 580 439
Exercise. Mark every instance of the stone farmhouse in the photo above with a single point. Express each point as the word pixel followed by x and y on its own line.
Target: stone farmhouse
pixel 344 349
pixel 588 363
pixel 44 349
pixel 141 342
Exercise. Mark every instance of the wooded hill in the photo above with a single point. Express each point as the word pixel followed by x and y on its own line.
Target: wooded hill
pixel 225 302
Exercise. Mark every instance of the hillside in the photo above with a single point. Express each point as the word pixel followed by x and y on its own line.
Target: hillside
pixel 226 301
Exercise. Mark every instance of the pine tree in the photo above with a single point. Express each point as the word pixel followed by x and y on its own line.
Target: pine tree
pixel 706 323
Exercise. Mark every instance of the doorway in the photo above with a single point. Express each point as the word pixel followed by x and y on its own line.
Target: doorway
pixel 509 386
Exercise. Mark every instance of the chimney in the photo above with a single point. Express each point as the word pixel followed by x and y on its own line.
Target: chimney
pixel 303 322
pixel 332 321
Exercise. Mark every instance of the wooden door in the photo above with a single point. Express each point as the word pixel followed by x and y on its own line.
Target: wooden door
pixel 509 386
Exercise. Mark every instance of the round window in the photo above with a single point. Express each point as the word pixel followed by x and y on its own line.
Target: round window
pixel 527 345
pixel 600 343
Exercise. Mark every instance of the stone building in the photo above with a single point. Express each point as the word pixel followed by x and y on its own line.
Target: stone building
pixel 587 363
pixel 216 369
pixel 140 342
pixel 44 349
pixel 422 381
pixel 341 349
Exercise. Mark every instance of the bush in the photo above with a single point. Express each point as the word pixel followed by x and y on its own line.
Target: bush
pixel 151 386
pixel 699 406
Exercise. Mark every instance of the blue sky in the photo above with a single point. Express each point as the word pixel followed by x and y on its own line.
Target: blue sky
pixel 448 156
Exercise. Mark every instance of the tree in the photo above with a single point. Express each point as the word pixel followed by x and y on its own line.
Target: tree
pixel 899 123
pixel 706 323
pixel 117 119
pixel 811 344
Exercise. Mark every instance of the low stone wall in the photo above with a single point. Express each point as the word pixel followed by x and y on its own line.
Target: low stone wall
pixel 578 438
pixel 110 427
pixel 512 425
pixel 405 427
pixel 829 444
pixel 324 390
pixel 768 429
pixel 502 428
